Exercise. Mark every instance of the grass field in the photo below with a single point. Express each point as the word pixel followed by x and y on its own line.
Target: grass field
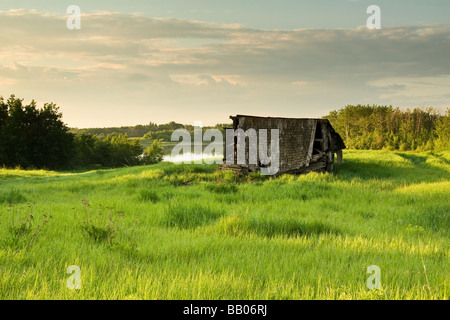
pixel 191 232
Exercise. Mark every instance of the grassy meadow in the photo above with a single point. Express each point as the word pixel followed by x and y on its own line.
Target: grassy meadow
pixel 173 231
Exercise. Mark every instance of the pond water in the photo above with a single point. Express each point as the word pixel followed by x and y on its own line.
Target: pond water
pixel 188 156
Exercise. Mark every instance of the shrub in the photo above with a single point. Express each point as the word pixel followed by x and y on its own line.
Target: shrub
pixel 153 154
pixel 114 150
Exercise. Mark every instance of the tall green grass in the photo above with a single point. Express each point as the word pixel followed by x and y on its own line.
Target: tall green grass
pixel 172 231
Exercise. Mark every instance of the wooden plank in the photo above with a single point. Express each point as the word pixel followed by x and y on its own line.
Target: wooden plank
pixel 317 166
pixel 317 157
pixel 330 161
pixel 311 144
pixel 339 156
pixel 325 133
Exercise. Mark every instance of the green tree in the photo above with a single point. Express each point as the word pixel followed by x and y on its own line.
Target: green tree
pixel 123 151
pixel 443 132
pixel 85 150
pixel 32 137
pixel 113 150
pixel 153 154
pixel 377 127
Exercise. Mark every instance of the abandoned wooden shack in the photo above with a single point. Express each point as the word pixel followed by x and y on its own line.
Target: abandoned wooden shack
pixel 304 144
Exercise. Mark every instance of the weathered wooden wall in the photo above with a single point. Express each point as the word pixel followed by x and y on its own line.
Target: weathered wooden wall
pixel 296 141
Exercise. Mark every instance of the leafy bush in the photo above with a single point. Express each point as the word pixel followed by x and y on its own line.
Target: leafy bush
pixel 114 150
pixel 153 154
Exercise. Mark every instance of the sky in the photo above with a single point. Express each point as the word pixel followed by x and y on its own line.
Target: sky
pixel 134 62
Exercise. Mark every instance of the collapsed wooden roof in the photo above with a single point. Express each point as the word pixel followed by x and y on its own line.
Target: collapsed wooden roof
pixel 306 144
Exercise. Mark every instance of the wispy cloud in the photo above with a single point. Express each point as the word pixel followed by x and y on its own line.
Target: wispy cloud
pixel 178 63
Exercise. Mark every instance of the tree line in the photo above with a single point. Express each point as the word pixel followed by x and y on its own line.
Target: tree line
pixel 37 138
pixel 385 127
pixel 137 131
pixel 152 131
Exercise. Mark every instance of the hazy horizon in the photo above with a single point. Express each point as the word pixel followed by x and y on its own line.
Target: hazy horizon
pixel 209 124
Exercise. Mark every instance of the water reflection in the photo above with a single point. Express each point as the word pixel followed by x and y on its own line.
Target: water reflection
pixel 189 157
